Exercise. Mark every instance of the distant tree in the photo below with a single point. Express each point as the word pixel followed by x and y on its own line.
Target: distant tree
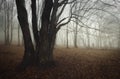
pixel 1 4
pixel 7 11
pixel 84 13
pixel 67 31
pixel 76 28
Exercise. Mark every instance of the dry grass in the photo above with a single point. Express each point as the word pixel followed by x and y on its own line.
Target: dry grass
pixel 70 64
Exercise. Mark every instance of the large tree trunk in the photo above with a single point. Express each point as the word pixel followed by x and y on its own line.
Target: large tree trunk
pixel 23 20
pixel 45 40
pixel 46 48
pixel 47 36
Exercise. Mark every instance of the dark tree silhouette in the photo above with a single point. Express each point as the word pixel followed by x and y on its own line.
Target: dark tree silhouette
pixel 42 53
pixel 23 20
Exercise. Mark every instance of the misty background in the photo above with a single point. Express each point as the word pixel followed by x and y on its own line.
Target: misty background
pixel 96 24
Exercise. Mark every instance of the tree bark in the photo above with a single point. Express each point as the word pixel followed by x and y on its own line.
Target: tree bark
pixel 23 20
pixel 18 35
pixel 47 36
pixel 45 39
pixel 34 21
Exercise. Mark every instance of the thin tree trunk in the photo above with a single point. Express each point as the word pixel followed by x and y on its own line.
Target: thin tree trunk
pixel 67 36
pixel 5 30
pixel 119 38
pixel 76 27
pixel 11 23
pixel 11 33
pixel 75 36
pixel 88 37
pixel 18 35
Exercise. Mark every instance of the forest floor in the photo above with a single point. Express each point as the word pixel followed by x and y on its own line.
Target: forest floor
pixel 72 63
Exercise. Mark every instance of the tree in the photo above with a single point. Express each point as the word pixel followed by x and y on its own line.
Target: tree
pixel 85 14
pixel 67 36
pixel 23 20
pixel 18 35
pixel 42 52
pixel 6 9
pixel 1 2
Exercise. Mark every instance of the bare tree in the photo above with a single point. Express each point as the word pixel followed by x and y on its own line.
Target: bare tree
pixel 45 38
pixel 67 31
pixel 8 20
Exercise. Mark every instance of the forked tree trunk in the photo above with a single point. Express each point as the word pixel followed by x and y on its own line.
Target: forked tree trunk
pixel 47 36
pixel 45 40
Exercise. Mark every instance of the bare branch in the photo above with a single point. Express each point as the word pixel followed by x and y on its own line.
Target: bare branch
pixel 61 11
pixel 110 5
pixel 66 2
pixel 1 2
pixel 62 20
pixel 61 3
pixel 59 25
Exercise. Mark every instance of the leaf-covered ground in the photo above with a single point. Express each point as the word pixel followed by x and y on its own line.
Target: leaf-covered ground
pixel 71 63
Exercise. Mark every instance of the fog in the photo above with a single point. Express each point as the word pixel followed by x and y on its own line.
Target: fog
pixel 98 27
